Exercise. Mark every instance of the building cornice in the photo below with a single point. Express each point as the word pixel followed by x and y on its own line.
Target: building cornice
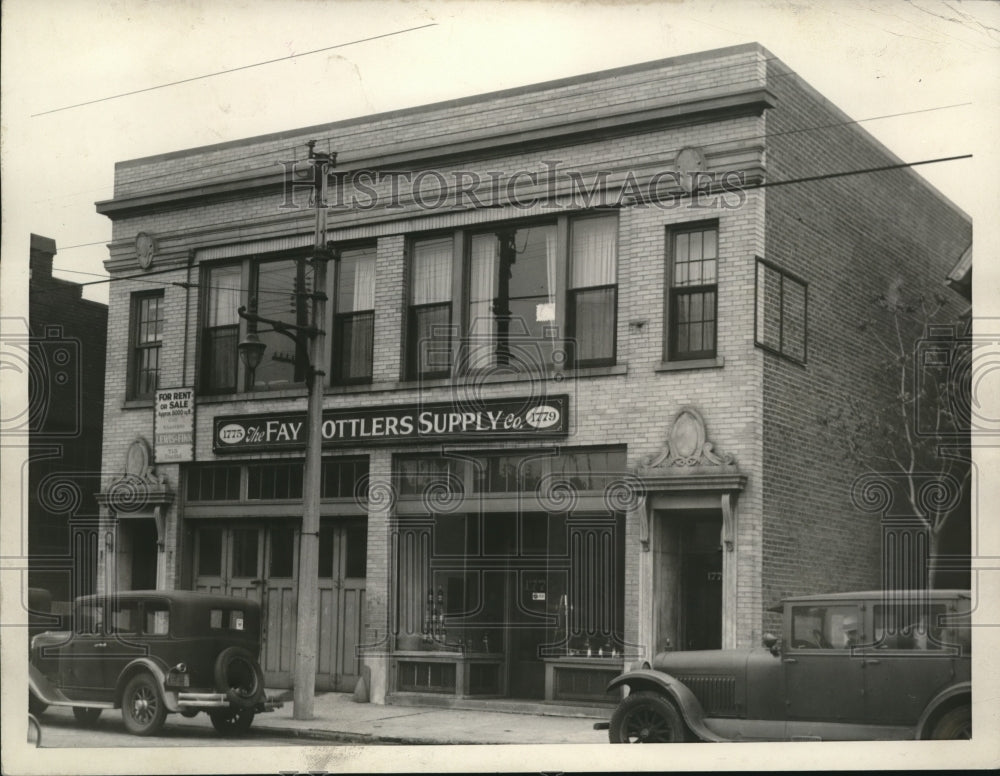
pixel 596 126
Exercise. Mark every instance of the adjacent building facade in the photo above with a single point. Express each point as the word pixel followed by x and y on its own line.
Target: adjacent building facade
pixel 581 336
pixel 66 352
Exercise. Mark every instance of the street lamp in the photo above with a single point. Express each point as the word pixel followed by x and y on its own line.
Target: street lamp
pixel 251 351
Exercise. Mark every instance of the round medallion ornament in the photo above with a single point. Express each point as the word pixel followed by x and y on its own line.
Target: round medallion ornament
pixel 690 164
pixel 145 248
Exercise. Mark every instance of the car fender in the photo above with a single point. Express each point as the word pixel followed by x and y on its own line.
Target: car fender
pixel 43 689
pixel 159 673
pixel 939 700
pixel 685 700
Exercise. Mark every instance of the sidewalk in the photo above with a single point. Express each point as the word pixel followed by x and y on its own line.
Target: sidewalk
pixel 338 719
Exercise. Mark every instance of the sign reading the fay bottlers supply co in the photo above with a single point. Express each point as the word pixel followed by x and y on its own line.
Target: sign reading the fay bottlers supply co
pixel 173 425
pixel 451 421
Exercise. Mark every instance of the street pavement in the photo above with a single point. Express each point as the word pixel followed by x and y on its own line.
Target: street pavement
pixel 339 719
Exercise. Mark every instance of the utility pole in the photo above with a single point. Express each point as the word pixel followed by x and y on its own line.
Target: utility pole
pixel 251 350
pixel 307 614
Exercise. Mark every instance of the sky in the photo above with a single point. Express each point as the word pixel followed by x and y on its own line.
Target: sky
pixel 931 67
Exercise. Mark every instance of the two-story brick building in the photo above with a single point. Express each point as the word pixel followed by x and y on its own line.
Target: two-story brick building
pixel 581 334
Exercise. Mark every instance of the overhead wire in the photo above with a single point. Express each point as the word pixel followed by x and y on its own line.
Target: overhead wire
pixel 763 184
pixel 234 69
pixel 744 139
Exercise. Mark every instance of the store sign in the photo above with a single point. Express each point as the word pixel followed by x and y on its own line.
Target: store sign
pixel 173 425
pixel 443 421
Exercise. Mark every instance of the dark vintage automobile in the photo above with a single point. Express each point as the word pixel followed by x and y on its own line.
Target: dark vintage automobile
pixel 151 652
pixel 849 667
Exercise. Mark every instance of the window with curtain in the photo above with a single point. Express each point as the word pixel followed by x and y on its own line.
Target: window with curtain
pixel 512 316
pixel 147 336
pixel 219 360
pixel 428 350
pixel 593 291
pixel 354 321
pixel 691 303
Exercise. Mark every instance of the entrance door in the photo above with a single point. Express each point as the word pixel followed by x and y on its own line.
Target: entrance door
pixel 701 584
pixel 260 563
pixel 144 553
pixel 343 553
pixel 687 580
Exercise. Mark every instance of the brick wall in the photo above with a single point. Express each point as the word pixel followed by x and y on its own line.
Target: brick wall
pixel 68 336
pixel 850 238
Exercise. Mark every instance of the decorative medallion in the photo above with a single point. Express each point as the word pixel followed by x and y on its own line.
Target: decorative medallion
pixel 145 249
pixel 690 163
pixel 686 445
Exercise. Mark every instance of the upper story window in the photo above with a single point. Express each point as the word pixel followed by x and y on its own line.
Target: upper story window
pixel 275 283
pixel 593 291
pixel 354 320
pixel 512 298
pixel 146 338
pixel 281 286
pixel 692 304
pixel 219 360
pixel 781 312
pixel 428 326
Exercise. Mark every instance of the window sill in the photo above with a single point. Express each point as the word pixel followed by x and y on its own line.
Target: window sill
pixel 221 398
pixel 698 363
pixel 136 404
pixel 408 385
pixel 555 374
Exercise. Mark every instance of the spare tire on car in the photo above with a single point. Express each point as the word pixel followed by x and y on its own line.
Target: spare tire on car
pixel 238 675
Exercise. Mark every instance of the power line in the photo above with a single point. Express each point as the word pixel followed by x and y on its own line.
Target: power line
pixel 764 184
pixel 234 69
pixel 764 136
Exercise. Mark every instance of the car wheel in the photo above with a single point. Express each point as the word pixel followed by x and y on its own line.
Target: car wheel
pixel 142 706
pixel 85 715
pixel 646 718
pixel 35 704
pixel 233 721
pixel 239 676
pixel 955 724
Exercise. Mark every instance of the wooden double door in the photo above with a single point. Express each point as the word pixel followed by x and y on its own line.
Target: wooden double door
pixel 260 561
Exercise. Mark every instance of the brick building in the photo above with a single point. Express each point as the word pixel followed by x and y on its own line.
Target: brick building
pixel 581 339
pixel 66 404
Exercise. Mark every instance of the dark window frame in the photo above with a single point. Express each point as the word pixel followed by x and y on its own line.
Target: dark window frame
pixel 783 274
pixel 139 349
pixel 335 472
pixel 674 293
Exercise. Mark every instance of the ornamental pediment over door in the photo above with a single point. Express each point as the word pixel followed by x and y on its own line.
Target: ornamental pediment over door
pixel 687 450
pixel 140 487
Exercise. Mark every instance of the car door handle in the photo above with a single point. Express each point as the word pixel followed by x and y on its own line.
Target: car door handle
pixel 790 660
pixel 872 662
pixel 100 644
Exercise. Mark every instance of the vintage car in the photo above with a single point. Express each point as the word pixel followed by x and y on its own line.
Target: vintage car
pixel 150 652
pixel 849 667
